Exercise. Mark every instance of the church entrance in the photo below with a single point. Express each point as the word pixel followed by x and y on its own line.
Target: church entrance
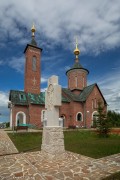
pixel 94 119
pixel 20 118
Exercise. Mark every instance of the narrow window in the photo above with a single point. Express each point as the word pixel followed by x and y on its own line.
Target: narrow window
pixel 79 117
pixel 34 63
pixel 83 82
pixel 95 105
pixel 92 104
pixel 76 81
pixel 22 97
pixel 69 82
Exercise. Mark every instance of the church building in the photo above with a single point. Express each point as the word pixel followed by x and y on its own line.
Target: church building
pixel 79 101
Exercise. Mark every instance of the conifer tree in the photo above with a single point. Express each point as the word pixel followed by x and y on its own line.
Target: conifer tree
pixel 103 123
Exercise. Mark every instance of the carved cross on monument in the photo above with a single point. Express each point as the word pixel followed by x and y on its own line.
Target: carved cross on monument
pixel 53 138
pixel 53 101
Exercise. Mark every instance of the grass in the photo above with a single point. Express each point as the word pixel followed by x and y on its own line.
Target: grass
pixel 114 176
pixel 89 144
pixel 82 142
pixel 27 141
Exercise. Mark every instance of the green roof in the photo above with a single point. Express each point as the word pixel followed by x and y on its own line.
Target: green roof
pixel 22 98
pixel 18 97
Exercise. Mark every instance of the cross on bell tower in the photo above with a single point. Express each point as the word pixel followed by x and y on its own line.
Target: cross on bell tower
pixel 32 66
pixel 77 75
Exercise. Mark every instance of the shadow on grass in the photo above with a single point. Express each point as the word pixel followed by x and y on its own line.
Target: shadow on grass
pixel 114 176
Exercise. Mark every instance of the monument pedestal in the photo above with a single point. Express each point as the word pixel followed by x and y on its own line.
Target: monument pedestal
pixel 53 142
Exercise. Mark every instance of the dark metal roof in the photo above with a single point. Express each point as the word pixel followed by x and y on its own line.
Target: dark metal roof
pixel 82 96
pixel 31 45
pixel 77 66
pixel 33 42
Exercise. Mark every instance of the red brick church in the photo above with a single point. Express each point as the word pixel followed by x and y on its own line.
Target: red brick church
pixel 79 101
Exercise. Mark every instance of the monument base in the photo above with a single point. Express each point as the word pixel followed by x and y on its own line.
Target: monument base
pixel 53 142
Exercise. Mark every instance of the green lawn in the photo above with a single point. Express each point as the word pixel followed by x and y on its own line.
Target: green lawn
pixel 81 142
pixel 89 144
pixel 27 141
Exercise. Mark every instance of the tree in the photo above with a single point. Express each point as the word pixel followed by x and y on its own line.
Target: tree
pixel 7 124
pixel 114 118
pixel 103 123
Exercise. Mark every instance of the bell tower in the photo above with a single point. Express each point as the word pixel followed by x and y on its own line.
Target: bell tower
pixel 77 75
pixel 32 66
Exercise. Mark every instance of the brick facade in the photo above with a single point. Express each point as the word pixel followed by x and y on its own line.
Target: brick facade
pixel 75 112
pixel 77 79
pixel 32 77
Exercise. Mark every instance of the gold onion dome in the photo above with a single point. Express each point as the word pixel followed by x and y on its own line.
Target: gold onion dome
pixel 76 51
pixel 33 42
pixel 33 30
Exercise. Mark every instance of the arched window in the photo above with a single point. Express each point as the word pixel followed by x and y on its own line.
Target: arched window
pixel 94 118
pixel 20 118
pixel 34 63
pixel 79 116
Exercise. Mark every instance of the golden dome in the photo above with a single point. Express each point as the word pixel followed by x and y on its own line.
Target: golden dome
pixel 33 28
pixel 76 51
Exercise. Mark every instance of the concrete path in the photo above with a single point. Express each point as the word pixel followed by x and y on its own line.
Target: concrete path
pixel 35 166
pixel 6 145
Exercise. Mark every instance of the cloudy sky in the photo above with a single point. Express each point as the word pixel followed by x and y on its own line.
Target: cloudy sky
pixel 58 22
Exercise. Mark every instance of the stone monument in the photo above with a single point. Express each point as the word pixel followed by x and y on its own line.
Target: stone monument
pixel 53 138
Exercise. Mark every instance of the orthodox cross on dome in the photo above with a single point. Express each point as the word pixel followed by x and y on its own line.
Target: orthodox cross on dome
pixel 34 81
pixel 33 30
pixel 76 51
pixel 33 42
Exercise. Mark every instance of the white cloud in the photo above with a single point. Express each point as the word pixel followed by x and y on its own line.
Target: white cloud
pixel 96 24
pixel 4 106
pixel 17 63
pixel 3 99
pixel 43 89
pixel 110 86
pixel 43 80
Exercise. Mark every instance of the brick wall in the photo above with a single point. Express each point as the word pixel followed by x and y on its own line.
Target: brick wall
pixel 92 105
pixel 29 85
pixel 77 79
pixel 35 114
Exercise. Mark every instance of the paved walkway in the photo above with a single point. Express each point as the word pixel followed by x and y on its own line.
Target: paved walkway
pixel 35 166
pixel 6 145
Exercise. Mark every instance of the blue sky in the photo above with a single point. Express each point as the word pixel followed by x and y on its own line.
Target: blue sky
pixel 58 22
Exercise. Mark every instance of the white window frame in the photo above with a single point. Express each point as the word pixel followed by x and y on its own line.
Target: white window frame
pixel 24 117
pixel 81 116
